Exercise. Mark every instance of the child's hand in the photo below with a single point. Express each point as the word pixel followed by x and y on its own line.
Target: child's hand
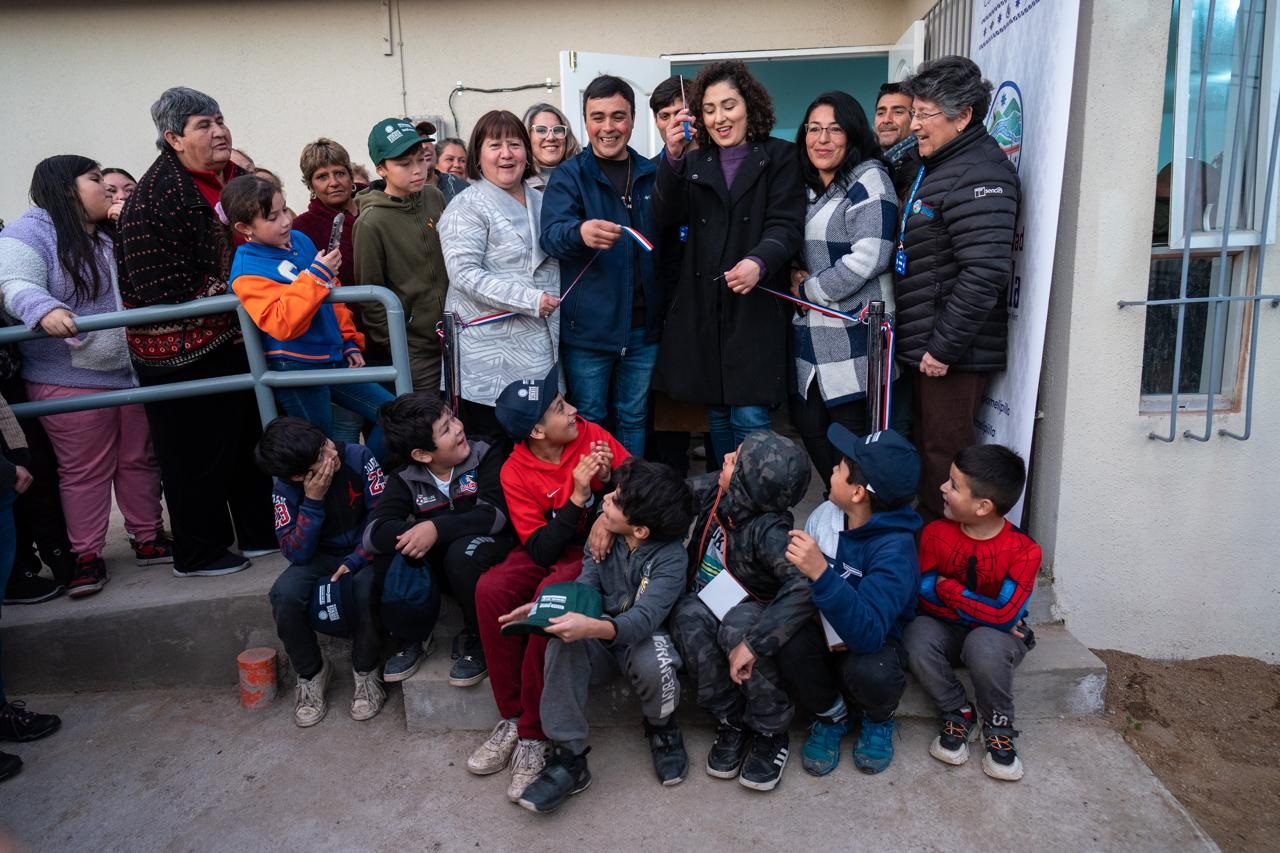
pixel 521 612
pixel 604 458
pixel 415 542
pixel 803 553
pixel 599 540
pixel 583 473
pixel 315 484
pixel 575 626
pixel 331 258
pixel 23 481
pixel 355 359
pixel 741 662
pixel 59 323
pixel 342 570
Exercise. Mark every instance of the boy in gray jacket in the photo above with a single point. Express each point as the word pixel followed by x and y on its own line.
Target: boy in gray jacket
pixel 641 576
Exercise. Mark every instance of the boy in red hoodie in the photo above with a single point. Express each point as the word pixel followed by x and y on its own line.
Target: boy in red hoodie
pixel 553 481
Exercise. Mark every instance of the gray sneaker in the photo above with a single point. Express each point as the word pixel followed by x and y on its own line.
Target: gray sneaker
pixel 528 762
pixel 369 696
pixel 309 706
pixel 495 753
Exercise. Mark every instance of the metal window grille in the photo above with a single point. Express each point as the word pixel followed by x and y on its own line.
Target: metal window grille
pixel 947 28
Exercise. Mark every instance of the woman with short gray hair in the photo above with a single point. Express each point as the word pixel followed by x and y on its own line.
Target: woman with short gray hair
pixel 953 264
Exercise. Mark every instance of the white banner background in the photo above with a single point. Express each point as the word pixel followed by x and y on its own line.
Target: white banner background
pixel 1026 48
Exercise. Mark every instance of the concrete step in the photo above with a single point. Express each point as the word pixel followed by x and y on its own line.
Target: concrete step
pixel 1060 677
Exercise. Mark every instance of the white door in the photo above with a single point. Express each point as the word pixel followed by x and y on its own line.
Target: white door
pixel 643 73
pixel 907 53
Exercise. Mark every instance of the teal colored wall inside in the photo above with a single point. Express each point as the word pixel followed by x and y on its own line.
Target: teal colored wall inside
pixel 794 83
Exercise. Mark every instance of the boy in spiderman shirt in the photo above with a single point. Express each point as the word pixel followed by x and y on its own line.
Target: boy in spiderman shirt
pixel 978 571
pixel 553 480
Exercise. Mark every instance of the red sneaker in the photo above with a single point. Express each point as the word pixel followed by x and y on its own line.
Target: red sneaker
pixel 158 551
pixel 90 576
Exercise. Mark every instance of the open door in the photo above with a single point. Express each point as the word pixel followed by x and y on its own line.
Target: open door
pixel 643 73
pixel 907 53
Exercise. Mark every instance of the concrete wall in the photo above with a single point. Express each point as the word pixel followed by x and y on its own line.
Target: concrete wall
pixel 1161 549
pixel 80 76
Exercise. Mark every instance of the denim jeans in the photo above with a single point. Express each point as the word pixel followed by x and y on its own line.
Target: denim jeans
pixel 602 383
pixel 315 403
pixel 8 545
pixel 730 425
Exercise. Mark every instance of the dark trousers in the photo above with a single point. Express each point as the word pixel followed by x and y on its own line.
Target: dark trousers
pixel 459 565
pixel 291 595
pixel 815 676
pixel 811 417
pixel 944 408
pixel 935 648
pixel 215 493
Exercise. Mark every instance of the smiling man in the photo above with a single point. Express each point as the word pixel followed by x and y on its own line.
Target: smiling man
pixel 893 132
pixel 611 321
pixel 173 248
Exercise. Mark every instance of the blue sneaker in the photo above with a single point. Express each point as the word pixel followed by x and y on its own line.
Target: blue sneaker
pixel 403 663
pixel 875 746
pixel 821 751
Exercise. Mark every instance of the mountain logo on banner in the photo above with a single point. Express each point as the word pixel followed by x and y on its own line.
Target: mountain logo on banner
pixel 1004 120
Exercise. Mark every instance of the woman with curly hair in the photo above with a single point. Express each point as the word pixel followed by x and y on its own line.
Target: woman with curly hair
pixel 739 192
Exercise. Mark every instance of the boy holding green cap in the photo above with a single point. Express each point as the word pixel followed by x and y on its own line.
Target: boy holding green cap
pixel 397 247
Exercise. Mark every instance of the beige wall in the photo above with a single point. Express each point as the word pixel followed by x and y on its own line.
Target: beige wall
pixel 1171 550
pixel 80 77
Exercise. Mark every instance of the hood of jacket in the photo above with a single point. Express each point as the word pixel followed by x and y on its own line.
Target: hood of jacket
pixel 772 475
pixel 376 196
pixel 903 520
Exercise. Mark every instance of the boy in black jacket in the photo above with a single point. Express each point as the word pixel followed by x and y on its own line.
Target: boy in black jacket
pixel 443 510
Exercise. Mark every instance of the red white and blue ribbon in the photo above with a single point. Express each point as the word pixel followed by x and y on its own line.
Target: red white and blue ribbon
pixel 812 306
pixel 642 240
pixel 499 316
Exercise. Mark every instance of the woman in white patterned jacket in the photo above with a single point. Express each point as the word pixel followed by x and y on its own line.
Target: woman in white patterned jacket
pixel 489 234
pixel 848 243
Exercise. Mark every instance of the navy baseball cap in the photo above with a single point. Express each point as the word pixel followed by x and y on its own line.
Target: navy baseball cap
pixel 523 403
pixel 889 461
pixel 333 606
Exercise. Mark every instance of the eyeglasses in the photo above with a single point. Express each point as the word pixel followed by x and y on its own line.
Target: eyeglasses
pixel 919 116
pixel 833 131
pixel 558 130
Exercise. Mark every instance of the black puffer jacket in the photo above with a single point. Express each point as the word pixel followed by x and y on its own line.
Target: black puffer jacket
pixel 959 242
pixel 771 476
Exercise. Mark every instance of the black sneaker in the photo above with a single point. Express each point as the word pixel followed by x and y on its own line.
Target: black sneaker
pixel 404 663
pixel 469 666
pixel 227 564
pixel 564 775
pixel 670 761
pixel 730 747
pixel 9 766
pixel 1001 761
pixel 90 576
pixel 18 725
pixel 762 769
pixel 951 746
pixel 30 587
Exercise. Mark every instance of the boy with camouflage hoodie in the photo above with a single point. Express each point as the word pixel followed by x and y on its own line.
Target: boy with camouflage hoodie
pixel 742 528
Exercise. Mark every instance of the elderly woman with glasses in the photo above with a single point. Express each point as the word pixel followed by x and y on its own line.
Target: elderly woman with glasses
pixel 553 141
pixel 953 263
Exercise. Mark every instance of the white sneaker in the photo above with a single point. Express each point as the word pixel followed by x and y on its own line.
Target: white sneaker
pixel 369 696
pixel 309 706
pixel 529 759
pixel 495 753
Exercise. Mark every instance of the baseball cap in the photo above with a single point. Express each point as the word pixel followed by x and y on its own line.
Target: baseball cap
pixel 557 599
pixel 425 128
pixel 332 606
pixel 889 461
pixel 392 137
pixel 523 403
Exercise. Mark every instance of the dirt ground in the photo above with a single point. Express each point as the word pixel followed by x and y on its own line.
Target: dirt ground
pixel 1208 729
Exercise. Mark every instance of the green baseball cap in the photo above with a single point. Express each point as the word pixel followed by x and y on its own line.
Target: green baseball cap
pixel 557 599
pixel 392 137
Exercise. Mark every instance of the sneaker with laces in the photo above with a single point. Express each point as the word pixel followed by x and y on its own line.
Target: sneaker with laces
pixel 767 758
pixel 469 666
pixel 666 744
pixel 564 775
pixel 495 753
pixel 90 576
pixel 154 552
pixel 369 696
pixel 1001 761
pixel 309 705
pixel 404 663
pixel 951 746
pixel 874 751
pixel 724 760
pixel 9 766
pixel 227 564
pixel 18 725
pixel 28 587
pixel 527 762
pixel 821 753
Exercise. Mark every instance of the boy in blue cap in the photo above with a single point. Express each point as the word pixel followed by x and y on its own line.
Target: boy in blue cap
pixel 858 551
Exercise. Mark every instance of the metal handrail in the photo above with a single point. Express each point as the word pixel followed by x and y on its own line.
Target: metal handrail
pixel 259 378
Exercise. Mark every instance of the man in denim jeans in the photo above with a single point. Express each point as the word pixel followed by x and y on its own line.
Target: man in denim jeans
pixel 611 321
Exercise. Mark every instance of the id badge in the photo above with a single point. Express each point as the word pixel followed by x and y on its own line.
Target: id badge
pixel 900 262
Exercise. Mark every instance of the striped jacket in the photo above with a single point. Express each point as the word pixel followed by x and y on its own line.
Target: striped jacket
pixel 848 244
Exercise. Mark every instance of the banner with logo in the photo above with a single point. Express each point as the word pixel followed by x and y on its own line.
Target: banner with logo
pixel 1027 49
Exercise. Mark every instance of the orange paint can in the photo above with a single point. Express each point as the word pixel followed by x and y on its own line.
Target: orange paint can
pixel 257 677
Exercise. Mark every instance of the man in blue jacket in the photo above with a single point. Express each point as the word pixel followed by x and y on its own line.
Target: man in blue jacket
pixel 611 320
pixel 858 550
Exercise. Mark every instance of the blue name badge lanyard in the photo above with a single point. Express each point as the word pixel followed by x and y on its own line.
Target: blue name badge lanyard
pixel 900 257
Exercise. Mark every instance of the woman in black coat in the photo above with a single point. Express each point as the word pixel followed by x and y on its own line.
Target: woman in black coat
pixel 953 264
pixel 740 193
